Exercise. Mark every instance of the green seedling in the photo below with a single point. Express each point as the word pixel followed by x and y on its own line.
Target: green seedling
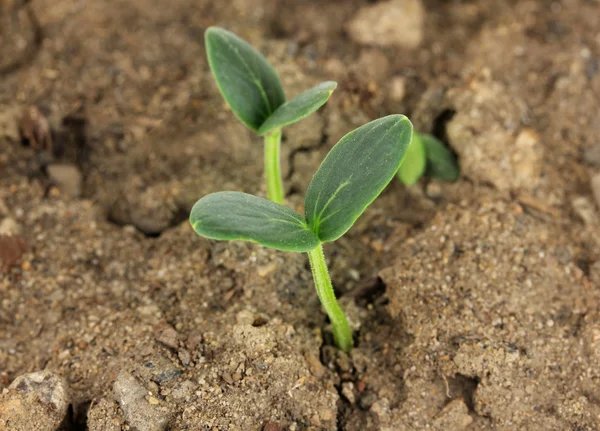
pixel 426 155
pixel 254 92
pixel 353 174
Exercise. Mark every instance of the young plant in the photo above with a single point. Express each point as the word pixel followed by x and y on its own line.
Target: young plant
pixel 253 91
pixel 353 174
pixel 426 155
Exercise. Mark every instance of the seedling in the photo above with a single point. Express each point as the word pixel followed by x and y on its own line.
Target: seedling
pixel 428 156
pixel 253 91
pixel 353 174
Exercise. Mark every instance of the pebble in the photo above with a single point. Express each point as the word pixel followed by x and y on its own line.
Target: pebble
pixel 584 209
pixel 389 23
pixel 168 336
pixel 67 178
pixel 434 190
pixel 348 392
pixel 367 400
pixel 9 227
pixel 185 357
pixel 272 426
pixel 35 401
pixel 140 413
pixel 244 317
pixel 381 409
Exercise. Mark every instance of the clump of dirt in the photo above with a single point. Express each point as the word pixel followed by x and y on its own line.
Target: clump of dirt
pixel 491 294
pixel 474 304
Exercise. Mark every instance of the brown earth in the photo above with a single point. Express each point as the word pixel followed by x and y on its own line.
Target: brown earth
pixel 475 304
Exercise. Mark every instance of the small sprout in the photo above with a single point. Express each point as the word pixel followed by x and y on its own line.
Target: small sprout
pixel 253 91
pixel 441 163
pixel 414 163
pixel 426 155
pixel 353 174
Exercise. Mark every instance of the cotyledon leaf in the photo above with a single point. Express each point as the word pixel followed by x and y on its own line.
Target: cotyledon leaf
pixel 354 173
pixel 414 162
pixel 245 78
pixel 239 216
pixel 299 107
pixel 441 162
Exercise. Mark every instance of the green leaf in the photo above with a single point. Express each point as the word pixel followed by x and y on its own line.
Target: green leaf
pixel 414 163
pixel 239 216
pixel 245 78
pixel 299 107
pixel 441 163
pixel 354 173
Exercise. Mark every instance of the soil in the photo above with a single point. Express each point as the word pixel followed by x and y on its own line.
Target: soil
pixel 474 304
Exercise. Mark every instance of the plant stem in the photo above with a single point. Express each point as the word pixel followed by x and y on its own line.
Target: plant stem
pixel 273 167
pixel 341 331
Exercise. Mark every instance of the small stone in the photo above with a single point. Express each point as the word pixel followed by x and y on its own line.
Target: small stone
pixel 367 400
pixel 434 190
pixel 265 270
pixel 154 401
pixel 34 401
pixel 584 209
pixel 244 317
pixel 167 375
pixel 272 426
pixel 397 88
pixel 185 357
pixel 389 23
pixel 139 412
pixel 9 227
pixel 67 178
pixel 35 128
pixel 348 392
pixel 227 378
pixel 168 336
pixel 381 409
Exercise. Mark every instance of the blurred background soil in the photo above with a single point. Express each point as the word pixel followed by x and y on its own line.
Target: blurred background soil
pixel 474 304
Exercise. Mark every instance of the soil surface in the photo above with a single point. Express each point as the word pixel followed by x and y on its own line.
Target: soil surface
pixel 474 304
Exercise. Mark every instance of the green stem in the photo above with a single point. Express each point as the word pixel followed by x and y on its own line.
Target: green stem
pixel 341 331
pixel 273 167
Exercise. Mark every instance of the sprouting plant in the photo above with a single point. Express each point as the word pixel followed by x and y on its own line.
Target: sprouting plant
pixel 353 174
pixel 253 91
pixel 426 155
